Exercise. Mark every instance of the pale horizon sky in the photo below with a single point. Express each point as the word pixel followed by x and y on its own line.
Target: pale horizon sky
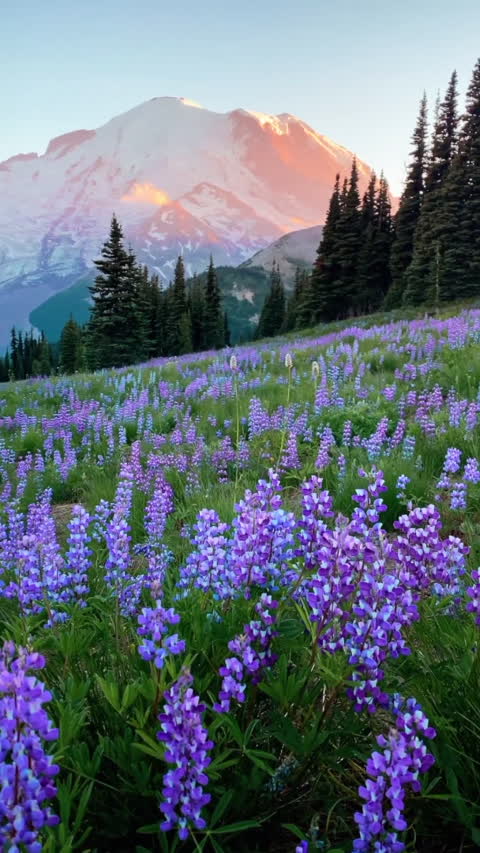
pixel 354 71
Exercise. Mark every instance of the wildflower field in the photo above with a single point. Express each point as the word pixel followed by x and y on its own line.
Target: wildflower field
pixel 239 599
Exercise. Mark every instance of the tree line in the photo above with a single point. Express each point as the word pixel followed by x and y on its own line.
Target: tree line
pixel 351 274
pixel 28 355
pixel 133 319
pixel 428 253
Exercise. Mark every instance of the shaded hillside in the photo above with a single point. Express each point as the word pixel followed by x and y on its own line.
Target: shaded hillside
pixel 243 290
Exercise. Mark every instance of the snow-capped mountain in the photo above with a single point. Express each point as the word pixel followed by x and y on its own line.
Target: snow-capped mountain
pixel 181 179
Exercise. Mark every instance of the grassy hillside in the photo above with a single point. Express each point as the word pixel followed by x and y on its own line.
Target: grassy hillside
pixel 270 563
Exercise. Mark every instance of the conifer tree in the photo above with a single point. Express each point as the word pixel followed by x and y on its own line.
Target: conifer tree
pixel 16 356
pixel 197 313
pixel 21 357
pixel 71 347
pixel 144 299
pixel 408 212
pixel 4 368
pixel 304 315
pixel 163 320
pixel 349 239
pixel 462 240
pixel 272 315
pixel 373 276
pixel 184 334
pixel 423 274
pixel 362 297
pixel 334 274
pixel 179 331
pixel 316 302
pixel 131 344
pixel 214 331
pixel 44 357
pixel 106 329
pixel 293 303
pixel 381 274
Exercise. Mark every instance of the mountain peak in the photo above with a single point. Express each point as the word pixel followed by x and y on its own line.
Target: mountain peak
pixel 182 180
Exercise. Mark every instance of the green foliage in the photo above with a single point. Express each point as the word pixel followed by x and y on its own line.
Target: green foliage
pixel 408 213
pixel 272 317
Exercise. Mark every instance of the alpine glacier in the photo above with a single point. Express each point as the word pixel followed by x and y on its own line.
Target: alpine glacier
pixel 182 180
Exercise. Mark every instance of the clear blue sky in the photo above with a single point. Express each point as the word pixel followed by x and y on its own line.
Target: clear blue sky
pixel 353 69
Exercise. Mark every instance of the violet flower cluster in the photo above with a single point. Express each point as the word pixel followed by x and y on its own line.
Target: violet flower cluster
pixel 392 771
pixel 158 643
pixel 27 770
pixel 253 655
pixel 187 748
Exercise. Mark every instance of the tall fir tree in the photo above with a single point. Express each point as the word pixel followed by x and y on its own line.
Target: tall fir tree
pixel 316 301
pixel 131 344
pixel 373 274
pixel 272 315
pixel 179 331
pixel 71 347
pixel 21 357
pixel 362 296
pixel 424 274
pixel 465 247
pixel 214 331
pixel 408 213
pixel 106 329
pixel 349 241
pixel 381 272
pixel 14 354
pixel 304 315
pixel 197 313
pixel 334 276
pixel 293 303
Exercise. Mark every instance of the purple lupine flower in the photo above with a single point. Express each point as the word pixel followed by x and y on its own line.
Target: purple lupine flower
pixel 392 772
pixel 208 566
pixel 27 771
pixel 39 581
pixel 262 544
pixel 471 471
pixel 158 556
pixel 158 643
pixel 347 434
pixel 100 519
pixel 303 847
pixel 253 655
pixel 290 460
pixel 78 556
pixel 187 747
pixel 118 562
pixel 458 498
pixel 444 481
pixel 453 460
pixel 401 485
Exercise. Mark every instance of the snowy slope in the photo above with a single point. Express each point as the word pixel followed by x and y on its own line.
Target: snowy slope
pixel 181 179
